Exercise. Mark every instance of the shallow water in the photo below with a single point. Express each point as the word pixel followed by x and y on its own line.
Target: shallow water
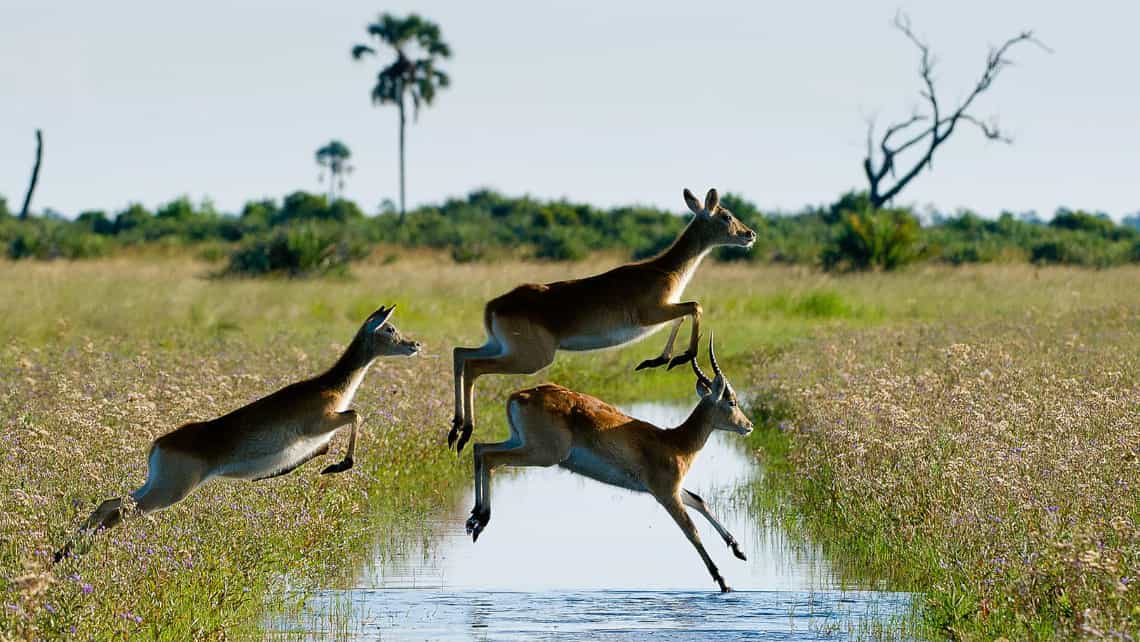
pixel 564 557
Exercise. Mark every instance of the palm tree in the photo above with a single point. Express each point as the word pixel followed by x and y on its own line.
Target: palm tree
pixel 334 157
pixel 405 76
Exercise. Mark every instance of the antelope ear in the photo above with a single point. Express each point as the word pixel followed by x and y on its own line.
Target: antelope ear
pixel 379 318
pixel 727 390
pixel 702 389
pixel 712 201
pixel 718 388
pixel 693 203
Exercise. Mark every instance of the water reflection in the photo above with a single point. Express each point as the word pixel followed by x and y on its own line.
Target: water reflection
pixel 564 555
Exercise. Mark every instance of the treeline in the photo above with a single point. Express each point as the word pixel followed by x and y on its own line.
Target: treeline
pixel 304 233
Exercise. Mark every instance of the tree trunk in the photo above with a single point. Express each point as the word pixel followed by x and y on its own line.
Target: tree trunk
pixel 402 211
pixel 35 175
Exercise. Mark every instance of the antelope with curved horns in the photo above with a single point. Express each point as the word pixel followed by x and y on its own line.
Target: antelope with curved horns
pixel 551 425
pixel 267 438
pixel 527 325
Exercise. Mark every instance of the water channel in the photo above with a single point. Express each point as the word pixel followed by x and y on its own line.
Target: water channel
pixel 567 558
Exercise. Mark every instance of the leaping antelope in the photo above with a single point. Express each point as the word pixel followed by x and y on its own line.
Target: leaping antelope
pixel 527 325
pixel 267 438
pixel 551 425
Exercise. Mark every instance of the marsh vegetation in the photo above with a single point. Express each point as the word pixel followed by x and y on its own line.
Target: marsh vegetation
pixel 966 433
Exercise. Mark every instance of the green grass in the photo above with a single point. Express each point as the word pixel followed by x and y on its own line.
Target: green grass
pixel 103 356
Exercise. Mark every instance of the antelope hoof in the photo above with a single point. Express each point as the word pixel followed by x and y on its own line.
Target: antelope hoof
pixel 655 362
pixel 737 552
pixel 724 588
pixel 477 522
pixel 682 359
pixel 464 437
pixel 454 432
pixel 338 467
pixel 60 555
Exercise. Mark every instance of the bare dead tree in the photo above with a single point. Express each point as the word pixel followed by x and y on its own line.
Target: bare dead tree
pixel 35 174
pixel 937 125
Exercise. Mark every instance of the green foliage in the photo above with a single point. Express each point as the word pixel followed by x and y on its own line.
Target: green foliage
pixel 333 154
pixel 304 249
pixel 850 201
pixel 563 247
pixel 40 238
pixel 416 77
pixel 886 239
pixel 486 225
pixel 1083 221
pixel 4 213
pixel 334 157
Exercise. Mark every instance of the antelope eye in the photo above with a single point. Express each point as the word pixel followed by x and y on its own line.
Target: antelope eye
pixel 731 403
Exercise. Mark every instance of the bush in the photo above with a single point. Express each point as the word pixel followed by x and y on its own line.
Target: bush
pixel 50 239
pixel 297 251
pixel 562 247
pixel 886 239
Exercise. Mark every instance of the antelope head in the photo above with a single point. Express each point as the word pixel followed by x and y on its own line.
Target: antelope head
pixel 715 224
pixel 382 339
pixel 719 398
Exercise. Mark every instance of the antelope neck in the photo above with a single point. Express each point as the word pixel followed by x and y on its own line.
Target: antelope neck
pixel 345 375
pixel 685 254
pixel 690 437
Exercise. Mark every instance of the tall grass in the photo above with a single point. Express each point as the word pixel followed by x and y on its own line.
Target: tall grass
pixel 989 465
pixel 103 356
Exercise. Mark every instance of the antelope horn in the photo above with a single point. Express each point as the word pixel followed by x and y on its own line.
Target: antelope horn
pixel 700 374
pixel 712 357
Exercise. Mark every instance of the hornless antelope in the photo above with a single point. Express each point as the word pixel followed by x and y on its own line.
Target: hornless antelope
pixel 551 425
pixel 527 325
pixel 267 438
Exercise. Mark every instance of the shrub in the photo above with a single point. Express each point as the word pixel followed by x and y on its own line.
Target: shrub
pixel 1058 251
pixel 886 239
pixel 652 248
pixel 44 240
pixel 562 247
pixel 1083 221
pixel 297 251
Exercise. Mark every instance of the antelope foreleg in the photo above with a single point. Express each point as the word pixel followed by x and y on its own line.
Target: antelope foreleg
pixel 693 501
pixel 676 312
pixel 336 421
pixel 667 352
pixel 676 510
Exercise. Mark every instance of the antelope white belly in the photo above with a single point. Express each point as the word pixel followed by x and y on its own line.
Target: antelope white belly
pixel 587 464
pixel 608 339
pixel 259 461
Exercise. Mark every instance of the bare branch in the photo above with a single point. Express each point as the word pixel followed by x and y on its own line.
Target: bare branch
pixel 939 127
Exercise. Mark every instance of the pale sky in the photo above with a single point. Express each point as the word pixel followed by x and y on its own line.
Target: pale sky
pixel 614 103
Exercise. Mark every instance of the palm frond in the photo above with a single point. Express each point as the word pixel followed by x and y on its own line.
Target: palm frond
pixel 358 51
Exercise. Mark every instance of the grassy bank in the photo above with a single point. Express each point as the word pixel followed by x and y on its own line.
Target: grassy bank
pixel 105 355
pixel 988 460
